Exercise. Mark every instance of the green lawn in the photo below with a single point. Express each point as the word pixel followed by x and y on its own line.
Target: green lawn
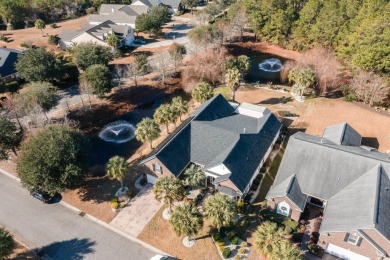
pixel 224 91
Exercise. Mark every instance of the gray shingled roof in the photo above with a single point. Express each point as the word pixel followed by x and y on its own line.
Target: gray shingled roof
pixel 353 180
pixel 110 8
pixel 342 134
pixel 95 30
pixel 215 136
pixel 118 13
pixel 8 57
pixel 171 3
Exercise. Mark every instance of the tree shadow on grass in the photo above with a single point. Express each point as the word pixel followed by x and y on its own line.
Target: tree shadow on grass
pixel 73 249
pixel 273 101
pixel 141 95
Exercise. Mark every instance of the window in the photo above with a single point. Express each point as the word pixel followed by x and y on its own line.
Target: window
pixel 157 168
pixel 353 239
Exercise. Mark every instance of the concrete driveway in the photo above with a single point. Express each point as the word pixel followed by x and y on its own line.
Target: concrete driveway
pixel 178 34
pixel 141 209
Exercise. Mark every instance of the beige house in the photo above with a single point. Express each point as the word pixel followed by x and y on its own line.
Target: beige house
pixel 348 182
pixel 97 34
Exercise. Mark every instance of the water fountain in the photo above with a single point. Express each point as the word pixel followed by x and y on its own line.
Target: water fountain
pixel 271 65
pixel 117 132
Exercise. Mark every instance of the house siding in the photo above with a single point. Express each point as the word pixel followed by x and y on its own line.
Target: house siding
pixel 295 214
pixel 364 249
pixel 149 168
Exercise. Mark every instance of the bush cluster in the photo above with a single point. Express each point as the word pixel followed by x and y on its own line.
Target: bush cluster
pixel 226 252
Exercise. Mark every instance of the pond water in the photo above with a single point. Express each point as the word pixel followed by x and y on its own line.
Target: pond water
pixel 117 138
pixel 265 68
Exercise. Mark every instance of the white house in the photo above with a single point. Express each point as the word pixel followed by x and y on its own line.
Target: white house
pixel 97 34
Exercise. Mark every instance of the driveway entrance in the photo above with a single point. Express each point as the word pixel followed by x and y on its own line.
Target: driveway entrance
pixel 137 214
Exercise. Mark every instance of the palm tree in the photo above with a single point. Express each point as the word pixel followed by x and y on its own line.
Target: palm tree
pixel 266 236
pixel 112 40
pixel 117 168
pixel 194 176
pixel 186 220
pixel 232 78
pixel 165 115
pixel 221 209
pixel 147 131
pixel 202 92
pixel 40 25
pixel 168 189
pixel 180 106
pixel 285 250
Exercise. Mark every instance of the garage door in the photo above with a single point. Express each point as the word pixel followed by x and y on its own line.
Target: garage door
pixel 151 179
pixel 344 253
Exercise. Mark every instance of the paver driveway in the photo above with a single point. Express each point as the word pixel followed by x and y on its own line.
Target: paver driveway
pixel 141 209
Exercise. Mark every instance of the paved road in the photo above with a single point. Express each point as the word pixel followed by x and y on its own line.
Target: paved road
pixel 61 232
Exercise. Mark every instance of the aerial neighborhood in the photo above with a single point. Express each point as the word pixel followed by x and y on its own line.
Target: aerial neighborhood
pixel 194 129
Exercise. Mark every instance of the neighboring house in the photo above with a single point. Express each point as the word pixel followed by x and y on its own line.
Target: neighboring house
pixel 97 34
pixel 119 14
pixel 173 5
pixel 349 182
pixel 229 141
pixel 8 57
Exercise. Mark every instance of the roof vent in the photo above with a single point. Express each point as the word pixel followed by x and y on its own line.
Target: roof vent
pixel 387 188
pixel 112 9
pixel 244 130
pixel 367 148
pixel 322 140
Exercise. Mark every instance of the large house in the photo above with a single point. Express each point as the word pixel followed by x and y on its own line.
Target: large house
pixel 119 14
pixel 97 34
pixel 350 182
pixel 173 5
pixel 229 141
pixel 8 57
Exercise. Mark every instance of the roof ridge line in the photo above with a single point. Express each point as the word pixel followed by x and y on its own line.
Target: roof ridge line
pixel 378 181
pixel 336 148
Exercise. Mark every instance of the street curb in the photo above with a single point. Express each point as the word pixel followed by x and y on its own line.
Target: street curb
pixel 97 221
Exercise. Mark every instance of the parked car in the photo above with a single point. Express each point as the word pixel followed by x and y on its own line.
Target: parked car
pixel 139 41
pixel 162 257
pixel 42 196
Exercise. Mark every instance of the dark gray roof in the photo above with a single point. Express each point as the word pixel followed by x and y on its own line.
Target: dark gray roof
pixel 290 188
pixel 342 134
pixel 216 136
pixel 351 179
pixel 8 57
pixel 171 3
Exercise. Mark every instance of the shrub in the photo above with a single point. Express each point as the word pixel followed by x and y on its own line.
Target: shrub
pixel 129 193
pixel 226 252
pixel 220 243
pixel 241 206
pixel 235 240
pixel 122 204
pixel 290 223
pixel 297 237
pixel 114 205
pixel 230 235
pixel 288 230
pixel 27 44
pixel 241 250
pixel 199 197
pixel 244 244
pixel 263 204
pixel 90 10
pixel 53 25
pixel 53 39
pixel 3 38
pixel 118 53
pixel 113 200
pixel 216 236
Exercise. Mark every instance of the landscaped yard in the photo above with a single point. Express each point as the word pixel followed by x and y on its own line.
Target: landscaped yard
pixel 159 233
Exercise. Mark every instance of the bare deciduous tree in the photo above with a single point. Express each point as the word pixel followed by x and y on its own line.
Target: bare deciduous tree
pixel 370 87
pixel 161 62
pixel 132 71
pixel 86 88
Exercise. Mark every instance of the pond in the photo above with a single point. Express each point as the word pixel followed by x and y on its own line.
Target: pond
pixel 117 138
pixel 265 68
